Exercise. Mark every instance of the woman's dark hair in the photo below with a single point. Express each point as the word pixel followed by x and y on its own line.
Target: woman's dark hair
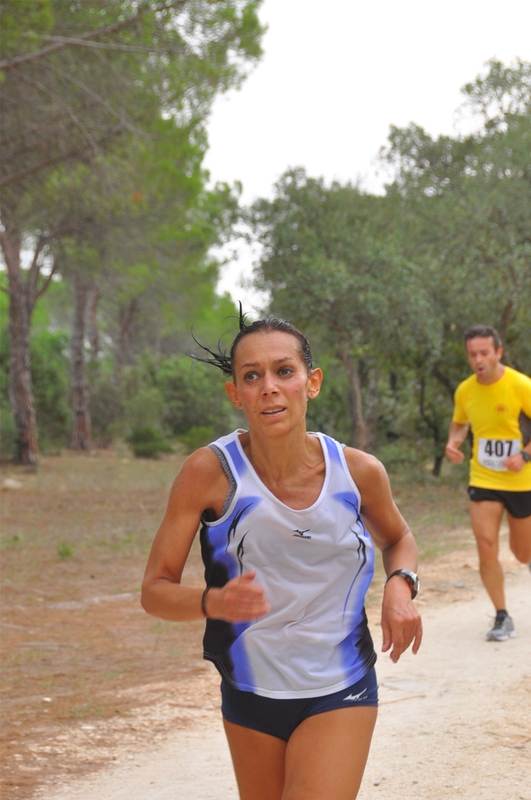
pixel 484 331
pixel 225 361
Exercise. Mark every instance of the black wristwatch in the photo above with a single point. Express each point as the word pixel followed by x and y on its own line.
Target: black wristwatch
pixel 526 456
pixel 411 577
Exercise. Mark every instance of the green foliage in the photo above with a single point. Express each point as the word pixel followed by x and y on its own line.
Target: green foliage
pixel 333 265
pixel 106 407
pixel 23 24
pixel 103 138
pixel 147 442
pixel 194 397
pixel 502 94
pixel 329 411
pixel 163 57
pixel 145 407
pixel 176 397
pixel 65 550
pixel 197 437
pixel 51 376
pixel 384 286
pixel 468 207
pixel 122 405
pixel 8 431
pixel 388 285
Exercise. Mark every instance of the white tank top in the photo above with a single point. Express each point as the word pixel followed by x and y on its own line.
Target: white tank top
pixel 315 565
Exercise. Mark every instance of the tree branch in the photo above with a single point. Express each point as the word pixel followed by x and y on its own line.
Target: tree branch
pixel 83 40
pixel 442 378
pixel 90 93
pixel 34 270
pixel 76 152
pixel 40 87
pixel 122 48
pixel 46 282
pixel 10 63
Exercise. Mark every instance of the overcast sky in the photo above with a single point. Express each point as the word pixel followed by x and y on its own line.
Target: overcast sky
pixel 335 76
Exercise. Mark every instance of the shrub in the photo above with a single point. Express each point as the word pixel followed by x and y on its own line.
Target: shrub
pixel 106 408
pixel 198 436
pixel 194 397
pixel 50 373
pixel 144 408
pixel 147 442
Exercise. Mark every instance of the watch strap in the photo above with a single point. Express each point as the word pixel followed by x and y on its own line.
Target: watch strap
pixel 410 577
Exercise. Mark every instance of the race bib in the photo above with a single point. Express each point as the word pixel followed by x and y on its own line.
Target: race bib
pixel 491 452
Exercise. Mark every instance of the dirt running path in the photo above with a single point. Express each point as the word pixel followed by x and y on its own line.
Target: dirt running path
pixel 455 721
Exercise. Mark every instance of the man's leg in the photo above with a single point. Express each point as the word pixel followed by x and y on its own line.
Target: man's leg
pixel 486 516
pixel 520 537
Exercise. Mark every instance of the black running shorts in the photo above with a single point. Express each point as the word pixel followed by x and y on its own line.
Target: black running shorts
pixel 518 504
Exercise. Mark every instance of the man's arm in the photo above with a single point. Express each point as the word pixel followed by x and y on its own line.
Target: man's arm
pixel 517 462
pixel 456 436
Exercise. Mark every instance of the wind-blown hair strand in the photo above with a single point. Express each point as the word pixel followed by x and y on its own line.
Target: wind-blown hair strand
pixel 225 361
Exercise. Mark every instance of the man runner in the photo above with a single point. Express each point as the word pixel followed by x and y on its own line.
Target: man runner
pixel 489 403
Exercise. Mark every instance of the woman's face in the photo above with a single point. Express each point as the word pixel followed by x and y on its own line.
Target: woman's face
pixel 271 381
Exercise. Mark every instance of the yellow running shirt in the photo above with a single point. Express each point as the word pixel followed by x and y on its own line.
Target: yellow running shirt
pixel 492 412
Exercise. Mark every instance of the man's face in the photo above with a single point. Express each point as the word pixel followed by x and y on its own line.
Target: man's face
pixel 484 358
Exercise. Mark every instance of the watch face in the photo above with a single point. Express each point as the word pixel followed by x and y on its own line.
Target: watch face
pixel 413 580
pixel 411 577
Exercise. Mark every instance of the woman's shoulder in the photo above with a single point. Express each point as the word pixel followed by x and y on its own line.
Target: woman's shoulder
pixel 201 482
pixel 202 463
pixel 205 460
pixel 366 469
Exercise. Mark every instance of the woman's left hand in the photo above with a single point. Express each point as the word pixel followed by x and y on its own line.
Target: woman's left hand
pixel 401 622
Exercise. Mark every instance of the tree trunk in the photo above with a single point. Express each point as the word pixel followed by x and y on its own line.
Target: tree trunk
pixel 371 405
pixel 125 318
pixel 20 386
pixel 81 436
pixel 437 465
pixel 357 419
pixel 437 432
pixel 92 322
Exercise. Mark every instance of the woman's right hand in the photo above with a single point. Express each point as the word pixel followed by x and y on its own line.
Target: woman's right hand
pixel 240 600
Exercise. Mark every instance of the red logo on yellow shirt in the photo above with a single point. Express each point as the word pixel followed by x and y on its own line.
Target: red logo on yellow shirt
pixel 501 409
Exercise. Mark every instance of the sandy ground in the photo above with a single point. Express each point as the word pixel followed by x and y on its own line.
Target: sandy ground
pixel 454 721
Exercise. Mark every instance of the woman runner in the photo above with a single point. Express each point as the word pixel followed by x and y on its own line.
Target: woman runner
pixel 289 520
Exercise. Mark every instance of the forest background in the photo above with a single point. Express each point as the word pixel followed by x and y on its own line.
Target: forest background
pixel 108 227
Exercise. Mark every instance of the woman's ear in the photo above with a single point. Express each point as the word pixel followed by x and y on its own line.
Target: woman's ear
pixel 232 392
pixel 315 379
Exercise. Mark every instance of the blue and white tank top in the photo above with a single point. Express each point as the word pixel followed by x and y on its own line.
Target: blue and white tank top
pixel 315 565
